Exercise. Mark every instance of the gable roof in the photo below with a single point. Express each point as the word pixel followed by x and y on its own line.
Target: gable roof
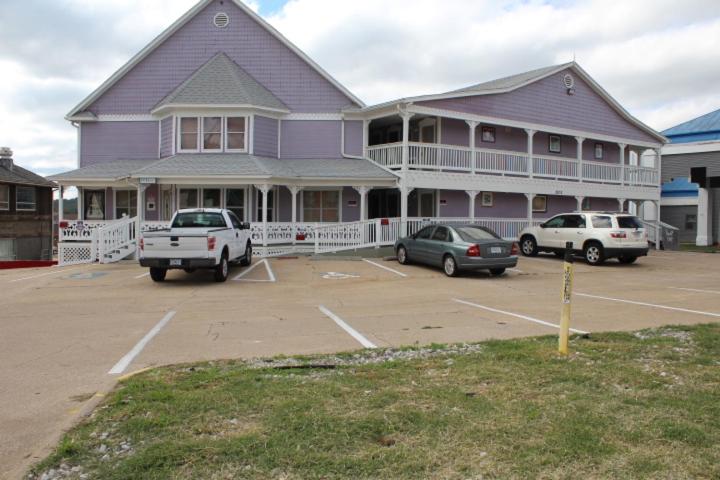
pixel 114 170
pixel 142 54
pixel 22 176
pixel 514 82
pixel 220 81
pixel 710 122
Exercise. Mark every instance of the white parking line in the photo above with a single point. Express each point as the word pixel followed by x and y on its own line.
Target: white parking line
pixel 121 365
pixel 696 290
pixel 353 333
pixel 665 307
pixel 384 267
pixel 269 271
pixel 516 315
pixel 59 270
pixel 516 270
pixel 143 275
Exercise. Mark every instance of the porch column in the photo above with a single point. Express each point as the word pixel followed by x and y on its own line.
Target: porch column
pixel 406 116
pixel 140 216
pixel 404 192
pixel 80 203
pixel 264 189
pixel 658 166
pixel 473 153
pixel 621 205
pixel 657 225
pixel 530 134
pixel 294 190
pixel 363 191
pixel 579 157
pixel 60 205
pixel 530 197
pixel 472 195
pixel 704 220
pixel 579 201
pixel 366 137
pixel 621 155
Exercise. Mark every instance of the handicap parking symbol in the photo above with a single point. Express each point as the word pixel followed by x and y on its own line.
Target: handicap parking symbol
pixel 338 276
pixel 87 275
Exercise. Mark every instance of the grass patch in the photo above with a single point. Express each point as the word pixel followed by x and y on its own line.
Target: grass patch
pixel 623 405
pixel 691 247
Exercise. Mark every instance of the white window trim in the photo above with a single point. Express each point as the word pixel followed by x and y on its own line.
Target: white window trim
pixel 115 204
pixel 177 133
pixel 17 204
pixel 202 134
pixel 178 139
pixel 322 189
pixel 6 208
pixel 226 132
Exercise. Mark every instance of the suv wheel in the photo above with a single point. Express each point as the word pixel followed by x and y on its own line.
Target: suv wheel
pixel 528 246
pixel 594 253
pixel 450 266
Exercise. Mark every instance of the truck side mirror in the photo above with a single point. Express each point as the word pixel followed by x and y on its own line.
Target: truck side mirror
pixel 245 226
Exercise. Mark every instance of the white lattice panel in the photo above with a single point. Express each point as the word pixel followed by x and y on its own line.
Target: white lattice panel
pixel 75 253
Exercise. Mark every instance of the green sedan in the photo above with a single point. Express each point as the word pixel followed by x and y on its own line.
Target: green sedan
pixel 456 248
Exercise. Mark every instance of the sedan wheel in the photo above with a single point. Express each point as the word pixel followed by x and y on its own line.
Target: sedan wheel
pixel 450 266
pixel 402 256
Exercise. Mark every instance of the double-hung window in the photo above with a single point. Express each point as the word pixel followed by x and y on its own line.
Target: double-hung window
pixel 212 134
pixel 125 203
pixel 235 128
pixel 25 198
pixel 189 132
pixel 321 206
pixel 4 197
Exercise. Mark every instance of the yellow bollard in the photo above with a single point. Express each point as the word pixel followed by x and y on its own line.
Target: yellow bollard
pixel 566 296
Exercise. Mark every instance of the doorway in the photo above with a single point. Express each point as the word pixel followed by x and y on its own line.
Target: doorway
pixel 383 203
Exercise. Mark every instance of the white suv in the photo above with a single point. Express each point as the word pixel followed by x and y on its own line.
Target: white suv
pixel 596 235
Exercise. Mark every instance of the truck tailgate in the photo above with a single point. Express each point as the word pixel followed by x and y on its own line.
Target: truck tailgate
pixel 178 243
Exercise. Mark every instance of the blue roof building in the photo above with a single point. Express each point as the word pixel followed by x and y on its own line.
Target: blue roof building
pixel 700 129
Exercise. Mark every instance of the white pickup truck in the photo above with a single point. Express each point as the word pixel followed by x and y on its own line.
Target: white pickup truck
pixel 207 238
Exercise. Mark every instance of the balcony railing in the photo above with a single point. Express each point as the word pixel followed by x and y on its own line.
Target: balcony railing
pixel 448 158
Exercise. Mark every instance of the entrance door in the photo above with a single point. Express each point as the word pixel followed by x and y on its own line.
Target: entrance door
pixel 383 203
pixel 426 208
pixel 166 202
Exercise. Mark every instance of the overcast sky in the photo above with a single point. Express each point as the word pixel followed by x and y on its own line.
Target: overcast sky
pixel 659 58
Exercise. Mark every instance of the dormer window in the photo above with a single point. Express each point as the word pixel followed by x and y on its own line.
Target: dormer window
pixel 212 134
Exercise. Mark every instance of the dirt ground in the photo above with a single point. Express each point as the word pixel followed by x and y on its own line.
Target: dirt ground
pixel 64 329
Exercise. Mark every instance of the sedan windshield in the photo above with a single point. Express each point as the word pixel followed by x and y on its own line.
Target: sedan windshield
pixel 476 234
pixel 199 220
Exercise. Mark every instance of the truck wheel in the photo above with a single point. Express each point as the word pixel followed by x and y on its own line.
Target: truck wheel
pixel 221 271
pixel 247 259
pixel 158 274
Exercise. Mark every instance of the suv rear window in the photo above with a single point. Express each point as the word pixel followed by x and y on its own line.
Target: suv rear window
pixel 475 234
pixel 601 221
pixel 199 220
pixel 629 222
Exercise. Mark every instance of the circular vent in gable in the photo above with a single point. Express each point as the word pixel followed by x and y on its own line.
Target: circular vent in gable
pixel 568 81
pixel 221 20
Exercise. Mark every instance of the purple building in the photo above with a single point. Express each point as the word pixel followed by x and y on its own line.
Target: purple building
pixel 222 111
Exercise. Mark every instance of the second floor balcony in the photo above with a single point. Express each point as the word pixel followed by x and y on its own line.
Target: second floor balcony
pixel 483 161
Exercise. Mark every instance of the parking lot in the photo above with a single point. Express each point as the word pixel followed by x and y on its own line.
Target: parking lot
pixel 70 332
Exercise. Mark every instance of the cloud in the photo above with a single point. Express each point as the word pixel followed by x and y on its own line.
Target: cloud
pixel 660 61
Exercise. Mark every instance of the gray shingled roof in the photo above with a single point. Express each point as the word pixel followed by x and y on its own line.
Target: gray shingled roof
pixel 22 176
pixel 244 165
pixel 510 82
pixel 220 81
pixel 111 171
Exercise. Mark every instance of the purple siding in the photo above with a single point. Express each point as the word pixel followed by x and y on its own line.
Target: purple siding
pixel 546 101
pixel 604 204
pixel 258 52
pixel 541 145
pixel 166 136
pixel 285 207
pixel 350 214
pixel 457 203
pixel 152 193
pixel 455 132
pixel 505 205
pixel 310 139
pixel 611 152
pixel 106 141
pixel 265 137
pixel 109 206
pixel 354 137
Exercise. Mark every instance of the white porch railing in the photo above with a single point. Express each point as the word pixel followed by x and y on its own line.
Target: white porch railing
pixel 116 240
pixel 450 158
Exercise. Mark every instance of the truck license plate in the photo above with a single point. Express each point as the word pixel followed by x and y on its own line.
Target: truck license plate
pixel 495 249
pixel 175 262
